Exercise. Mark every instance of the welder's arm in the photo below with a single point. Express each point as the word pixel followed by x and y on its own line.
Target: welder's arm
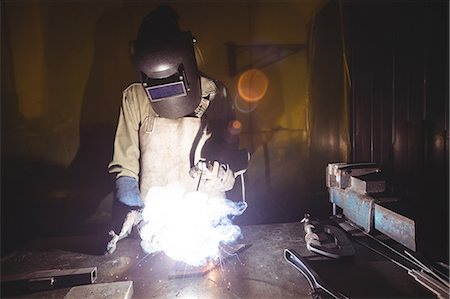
pixel 125 166
pixel 127 192
pixel 127 210
pixel 126 155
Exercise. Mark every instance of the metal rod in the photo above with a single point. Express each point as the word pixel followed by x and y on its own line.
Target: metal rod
pixel 387 246
pixel 430 283
pixel 199 180
pixel 427 269
pixel 383 255
pixel 427 281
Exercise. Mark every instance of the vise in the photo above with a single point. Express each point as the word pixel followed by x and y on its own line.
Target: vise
pixel 357 189
pixel 362 177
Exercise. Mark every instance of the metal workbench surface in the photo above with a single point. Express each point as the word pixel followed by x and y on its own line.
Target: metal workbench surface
pixel 258 271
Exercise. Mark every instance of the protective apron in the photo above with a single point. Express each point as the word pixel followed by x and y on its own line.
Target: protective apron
pixel 167 148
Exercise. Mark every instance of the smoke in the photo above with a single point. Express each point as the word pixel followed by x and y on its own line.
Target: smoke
pixel 188 227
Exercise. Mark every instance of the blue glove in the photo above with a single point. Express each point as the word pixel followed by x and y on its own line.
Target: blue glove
pixel 127 192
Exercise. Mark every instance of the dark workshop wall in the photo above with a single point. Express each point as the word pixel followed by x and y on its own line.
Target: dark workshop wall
pixel 399 102
pixel 65 64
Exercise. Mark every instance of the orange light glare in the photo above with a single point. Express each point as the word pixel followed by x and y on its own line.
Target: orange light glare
pixel 252 85
pixel 234 127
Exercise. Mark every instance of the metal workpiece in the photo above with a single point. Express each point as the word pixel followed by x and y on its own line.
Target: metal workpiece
pixel 368 183
pixel 339 174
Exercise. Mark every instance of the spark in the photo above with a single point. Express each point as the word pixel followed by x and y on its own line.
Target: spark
pixel 188 226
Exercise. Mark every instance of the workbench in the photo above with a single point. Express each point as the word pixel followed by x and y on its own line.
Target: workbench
pixel 258 271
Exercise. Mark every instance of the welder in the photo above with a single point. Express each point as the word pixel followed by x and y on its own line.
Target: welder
pixel 175 125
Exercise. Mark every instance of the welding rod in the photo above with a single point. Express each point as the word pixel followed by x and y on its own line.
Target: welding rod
pixel 199 180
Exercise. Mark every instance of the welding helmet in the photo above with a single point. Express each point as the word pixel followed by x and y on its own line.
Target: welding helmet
pixel 169 73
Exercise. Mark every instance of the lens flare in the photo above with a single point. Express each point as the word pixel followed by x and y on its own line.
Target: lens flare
pixel 252 85
pixel 188 226
pixel 244 106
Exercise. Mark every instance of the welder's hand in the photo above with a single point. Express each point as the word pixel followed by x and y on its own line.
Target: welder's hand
pixel 132 218
pixel 213 175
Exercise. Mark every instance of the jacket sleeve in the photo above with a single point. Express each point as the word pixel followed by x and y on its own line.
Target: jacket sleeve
pixel 126 154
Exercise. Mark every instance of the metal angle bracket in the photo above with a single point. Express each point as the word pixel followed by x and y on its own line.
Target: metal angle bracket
pixel 261 55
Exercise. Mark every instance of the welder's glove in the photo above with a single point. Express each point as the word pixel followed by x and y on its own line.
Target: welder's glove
pixel 127 192
pixel 214 175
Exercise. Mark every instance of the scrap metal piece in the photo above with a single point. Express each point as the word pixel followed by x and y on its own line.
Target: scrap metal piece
pixel 112 290
pixel 49 279
pixel 326 240
pixel 311 276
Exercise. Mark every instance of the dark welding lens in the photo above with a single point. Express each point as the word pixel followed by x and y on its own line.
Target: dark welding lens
pixel 166 91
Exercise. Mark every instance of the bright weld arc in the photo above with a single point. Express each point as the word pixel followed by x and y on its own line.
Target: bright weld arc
pixel 188 227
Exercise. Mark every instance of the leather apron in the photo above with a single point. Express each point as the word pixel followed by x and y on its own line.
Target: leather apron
pixel 169 148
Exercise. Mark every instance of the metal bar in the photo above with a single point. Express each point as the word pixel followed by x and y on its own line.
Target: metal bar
pixel 362 210
pixel 49 279
pixel 395 226
pixel 356 207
